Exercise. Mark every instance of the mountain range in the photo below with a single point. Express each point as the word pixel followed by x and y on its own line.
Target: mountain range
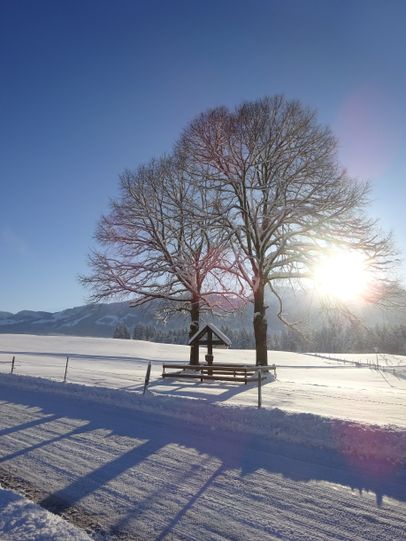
pixel 100 320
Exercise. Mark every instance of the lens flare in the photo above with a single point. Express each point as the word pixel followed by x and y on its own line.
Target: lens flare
pixel 342 275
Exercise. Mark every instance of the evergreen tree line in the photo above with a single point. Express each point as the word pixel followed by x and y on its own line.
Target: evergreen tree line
pixel 151 333
pixel 355 338
pixel 332 337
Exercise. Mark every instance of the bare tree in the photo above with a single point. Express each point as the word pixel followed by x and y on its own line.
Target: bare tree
pixel 284 197
pixel 158 245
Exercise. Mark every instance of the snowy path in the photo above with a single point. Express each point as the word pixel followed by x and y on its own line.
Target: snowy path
pixel 135 475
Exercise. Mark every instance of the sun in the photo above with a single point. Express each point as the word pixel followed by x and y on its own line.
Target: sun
pixel 342 275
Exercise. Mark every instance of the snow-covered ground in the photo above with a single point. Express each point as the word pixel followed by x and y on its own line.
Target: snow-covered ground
pixel 23 520
pixel 305 383
pixel 193 461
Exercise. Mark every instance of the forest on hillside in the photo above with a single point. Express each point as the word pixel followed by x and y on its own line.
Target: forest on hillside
pixel 333 337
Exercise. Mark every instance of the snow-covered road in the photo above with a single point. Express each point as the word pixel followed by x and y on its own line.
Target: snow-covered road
pixel 136 475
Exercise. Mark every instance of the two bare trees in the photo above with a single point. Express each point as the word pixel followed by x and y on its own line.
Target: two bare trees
pixel 249 200
pixel 159 245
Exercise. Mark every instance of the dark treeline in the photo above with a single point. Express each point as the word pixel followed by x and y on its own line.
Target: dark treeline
pixel 152 333
pixel 332 337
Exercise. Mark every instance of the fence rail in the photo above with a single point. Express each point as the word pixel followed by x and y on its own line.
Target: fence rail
pixel 106 371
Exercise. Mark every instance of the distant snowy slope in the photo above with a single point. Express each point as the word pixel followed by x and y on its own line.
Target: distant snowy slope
pixel 100 320
pixel 87 320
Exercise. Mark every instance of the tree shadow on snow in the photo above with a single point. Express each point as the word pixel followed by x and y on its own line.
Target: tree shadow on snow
pixel 212 391
pixel 151 433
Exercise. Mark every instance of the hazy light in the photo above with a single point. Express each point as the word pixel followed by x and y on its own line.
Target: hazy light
pixel 342 275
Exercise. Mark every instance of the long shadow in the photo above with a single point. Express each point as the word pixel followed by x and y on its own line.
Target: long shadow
pixel 190 503
pixel 399 374
pixel 308 465
pixel 190 389
pixel 185 389
pixel 60 501
pixel 28 424
pixel 241 451
pixel 142 505
pixel 232 391
pixel 79 430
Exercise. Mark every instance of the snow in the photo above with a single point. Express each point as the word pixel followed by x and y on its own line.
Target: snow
pixel 347 437
pixel 108 320
pixel 305 383
pixel 23 520
pixel 323 459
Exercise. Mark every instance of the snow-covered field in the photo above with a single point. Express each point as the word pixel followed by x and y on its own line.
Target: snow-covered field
pixel 305 383
pixel 324 459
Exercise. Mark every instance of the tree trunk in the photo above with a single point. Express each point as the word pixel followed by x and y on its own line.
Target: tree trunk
pixel 260 325
pixel 194 327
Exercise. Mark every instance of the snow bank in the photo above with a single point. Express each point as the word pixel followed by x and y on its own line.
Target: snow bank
pixel 22 520
pixel 351 439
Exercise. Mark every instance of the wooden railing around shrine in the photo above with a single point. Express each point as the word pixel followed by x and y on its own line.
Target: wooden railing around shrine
pixel 222 372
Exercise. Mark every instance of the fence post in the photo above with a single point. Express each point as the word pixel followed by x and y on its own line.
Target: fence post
pixel 12 364
pixel 66 369
pixel 147 375
pixel 259 387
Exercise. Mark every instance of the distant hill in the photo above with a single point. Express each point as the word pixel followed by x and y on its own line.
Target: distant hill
pixel 89 320
pixel 100 320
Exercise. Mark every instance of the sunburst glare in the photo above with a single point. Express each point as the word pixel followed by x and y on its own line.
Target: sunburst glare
pixel 342 275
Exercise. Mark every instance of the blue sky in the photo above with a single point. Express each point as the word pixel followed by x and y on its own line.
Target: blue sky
pixel 91 87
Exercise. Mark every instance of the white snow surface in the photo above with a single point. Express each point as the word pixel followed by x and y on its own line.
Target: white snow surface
pixel 324 458
pixel 349 438
pixel 23 520
pixel 305 384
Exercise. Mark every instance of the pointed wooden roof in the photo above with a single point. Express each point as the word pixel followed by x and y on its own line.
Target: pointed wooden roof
pixel 218 337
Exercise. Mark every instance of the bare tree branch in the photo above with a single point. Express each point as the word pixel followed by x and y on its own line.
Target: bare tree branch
pixel 159 245
pixel 284 198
